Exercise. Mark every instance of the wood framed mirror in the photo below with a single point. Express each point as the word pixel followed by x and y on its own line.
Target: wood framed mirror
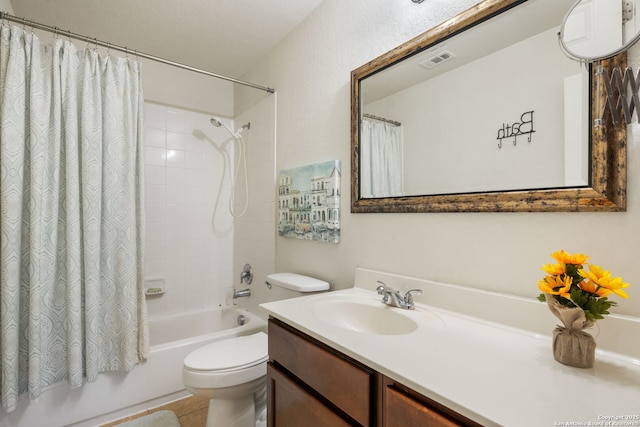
pixel 507 132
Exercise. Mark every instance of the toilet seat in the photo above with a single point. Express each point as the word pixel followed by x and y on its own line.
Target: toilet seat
pixel 227 363
pixel 229 354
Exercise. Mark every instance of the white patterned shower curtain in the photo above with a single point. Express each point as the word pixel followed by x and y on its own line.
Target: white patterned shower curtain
pixel 71 231
pixel 381 161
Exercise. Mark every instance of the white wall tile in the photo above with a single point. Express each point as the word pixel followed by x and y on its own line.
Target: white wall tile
pixel 155 212
pixel 194 144
pixel 155 117
pixel 179 208
pixel 176 176
pixel 175 194
pixel 176 141
pixel 176 120
pixel 155 231
pixel 175 158
pixel 194 160
pixel 155 137
pixel 155 156
pixel 155 193
pixel 175 212
pixel 156 250
pixel 155 175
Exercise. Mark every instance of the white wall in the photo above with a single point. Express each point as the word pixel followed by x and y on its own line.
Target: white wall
pixel 310 70
pixel 255 233
pixel 5 6
pixel 176 87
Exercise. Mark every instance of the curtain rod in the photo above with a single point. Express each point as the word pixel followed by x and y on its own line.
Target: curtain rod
pixel 382 119
pixel 56 30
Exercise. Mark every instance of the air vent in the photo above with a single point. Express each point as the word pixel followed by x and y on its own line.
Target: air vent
pixel 438 59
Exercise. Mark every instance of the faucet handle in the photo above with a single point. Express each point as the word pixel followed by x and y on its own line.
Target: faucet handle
pixel 408 297
pixel 381 288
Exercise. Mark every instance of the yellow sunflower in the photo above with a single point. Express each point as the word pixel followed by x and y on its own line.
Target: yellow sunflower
pixel 555 269
pixel 600 279
pixel 556 285
pixel 566 258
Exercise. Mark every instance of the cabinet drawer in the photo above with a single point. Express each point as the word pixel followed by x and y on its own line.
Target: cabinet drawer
pixel 292 406
pixel 348 386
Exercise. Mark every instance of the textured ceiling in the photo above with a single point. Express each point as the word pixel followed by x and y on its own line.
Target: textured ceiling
pixel 222 36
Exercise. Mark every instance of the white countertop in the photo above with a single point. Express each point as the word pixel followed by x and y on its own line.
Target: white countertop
pixel 493 374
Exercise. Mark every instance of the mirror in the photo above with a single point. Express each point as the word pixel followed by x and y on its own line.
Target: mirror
pixel 502 123
pixel 584 37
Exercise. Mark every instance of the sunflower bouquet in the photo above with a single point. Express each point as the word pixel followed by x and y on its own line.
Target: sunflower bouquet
pixel 578 297
pixel 572 285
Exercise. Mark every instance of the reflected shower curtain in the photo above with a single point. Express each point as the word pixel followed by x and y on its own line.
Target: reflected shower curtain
pixel 71 230
pixel 380 159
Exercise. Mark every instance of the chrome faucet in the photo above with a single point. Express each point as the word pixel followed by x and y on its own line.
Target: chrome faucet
pixel 241 293
pixel 393 298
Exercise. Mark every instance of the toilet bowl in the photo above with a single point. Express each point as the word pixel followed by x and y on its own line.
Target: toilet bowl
pixel 231 373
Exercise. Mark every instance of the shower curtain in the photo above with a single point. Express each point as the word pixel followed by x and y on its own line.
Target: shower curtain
pixel 380 159
pixel 71 230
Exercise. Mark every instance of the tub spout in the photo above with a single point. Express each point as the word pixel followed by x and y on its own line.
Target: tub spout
pixel 241 293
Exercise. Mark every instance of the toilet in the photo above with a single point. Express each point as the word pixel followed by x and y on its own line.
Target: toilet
pixel 232 372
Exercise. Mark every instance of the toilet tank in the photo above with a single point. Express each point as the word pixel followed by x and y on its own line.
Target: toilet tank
pixel 290 285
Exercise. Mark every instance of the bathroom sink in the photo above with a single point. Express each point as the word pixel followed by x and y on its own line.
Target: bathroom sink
pixel 362 317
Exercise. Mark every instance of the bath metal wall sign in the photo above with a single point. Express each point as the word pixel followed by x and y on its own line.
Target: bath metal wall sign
pixel 516 129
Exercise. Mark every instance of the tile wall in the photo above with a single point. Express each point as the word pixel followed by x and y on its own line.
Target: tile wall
pixel 189 231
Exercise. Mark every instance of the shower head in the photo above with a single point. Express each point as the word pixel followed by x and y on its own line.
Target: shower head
pixel 217 123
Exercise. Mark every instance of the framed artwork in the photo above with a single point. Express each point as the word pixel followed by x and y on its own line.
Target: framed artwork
pixel 309 202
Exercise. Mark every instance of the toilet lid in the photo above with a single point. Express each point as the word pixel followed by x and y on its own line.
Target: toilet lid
pixel 229 353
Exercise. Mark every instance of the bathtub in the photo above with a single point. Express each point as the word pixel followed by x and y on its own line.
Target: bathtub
pixel 152 383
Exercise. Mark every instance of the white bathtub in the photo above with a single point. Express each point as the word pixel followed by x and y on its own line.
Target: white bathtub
pixel 157 381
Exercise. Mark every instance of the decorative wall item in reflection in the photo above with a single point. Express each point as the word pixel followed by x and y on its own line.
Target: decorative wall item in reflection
pixel 309 202
pixel 616 95
pixel 516 129
pixel 594 30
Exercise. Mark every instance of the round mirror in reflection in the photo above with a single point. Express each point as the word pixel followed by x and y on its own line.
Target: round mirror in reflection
pixel 598 29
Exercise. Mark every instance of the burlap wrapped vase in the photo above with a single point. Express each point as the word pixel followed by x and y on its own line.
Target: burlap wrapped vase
pixel 572 346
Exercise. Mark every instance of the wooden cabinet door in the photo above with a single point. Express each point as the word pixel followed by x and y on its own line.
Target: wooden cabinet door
pixel 401 410
pixel 290 405
pixel 347 385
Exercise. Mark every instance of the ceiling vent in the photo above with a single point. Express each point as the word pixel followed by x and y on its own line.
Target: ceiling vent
pixel 438 59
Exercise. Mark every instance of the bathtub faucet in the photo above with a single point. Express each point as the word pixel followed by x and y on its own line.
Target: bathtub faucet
pixel 241 293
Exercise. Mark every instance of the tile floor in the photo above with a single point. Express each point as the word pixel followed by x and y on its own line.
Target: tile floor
pixel 191 412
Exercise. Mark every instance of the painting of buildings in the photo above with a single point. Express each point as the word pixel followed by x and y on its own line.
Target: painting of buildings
pixel 309 202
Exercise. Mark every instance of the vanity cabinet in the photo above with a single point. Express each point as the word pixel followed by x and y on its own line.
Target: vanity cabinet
pixel 326 382
pixel 311 384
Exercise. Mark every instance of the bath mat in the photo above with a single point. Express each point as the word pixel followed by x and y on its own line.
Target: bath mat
pixel 156 419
